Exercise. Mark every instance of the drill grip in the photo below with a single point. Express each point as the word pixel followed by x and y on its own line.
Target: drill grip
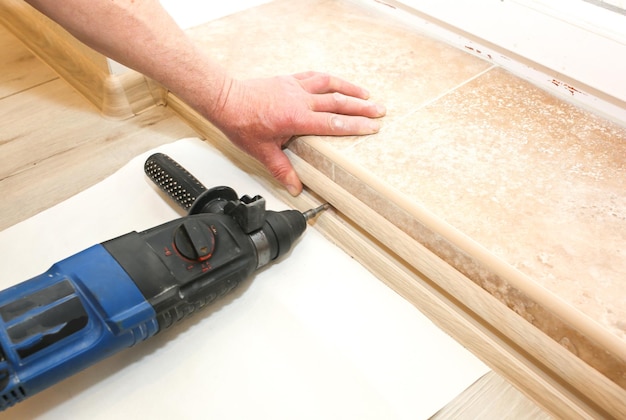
pixel 174 180
pixel 184 188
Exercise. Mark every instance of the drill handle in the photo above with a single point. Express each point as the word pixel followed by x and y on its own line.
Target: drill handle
pixel 174 180
pixel 184 188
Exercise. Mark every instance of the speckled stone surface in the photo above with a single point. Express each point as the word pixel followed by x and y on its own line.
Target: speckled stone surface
pixel 536 181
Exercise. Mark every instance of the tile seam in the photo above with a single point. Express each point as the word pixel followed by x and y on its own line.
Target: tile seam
pixel 425 104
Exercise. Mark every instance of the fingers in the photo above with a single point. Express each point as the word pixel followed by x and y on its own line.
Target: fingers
pixel 314 82
pixel 339 108
pixel 334 95
pixel 330 124
pixel 277 162
pixel 303 104
pixel 346 105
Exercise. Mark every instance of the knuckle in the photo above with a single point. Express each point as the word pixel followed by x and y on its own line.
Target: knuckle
pixel 336 123
pixel 324 79
pixel 279 171
pixel 339 98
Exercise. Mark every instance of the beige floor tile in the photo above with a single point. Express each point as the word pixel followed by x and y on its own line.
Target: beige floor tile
pixel 539 182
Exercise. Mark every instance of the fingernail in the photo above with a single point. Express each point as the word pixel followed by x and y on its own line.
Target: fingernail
pixel 375 126
pixel 337 123
pixel 381 109
pixel 293 190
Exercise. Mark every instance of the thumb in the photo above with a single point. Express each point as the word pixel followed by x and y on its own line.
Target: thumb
pixel 281 169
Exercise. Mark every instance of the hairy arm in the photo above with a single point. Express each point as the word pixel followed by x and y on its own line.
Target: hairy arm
pixel 259 116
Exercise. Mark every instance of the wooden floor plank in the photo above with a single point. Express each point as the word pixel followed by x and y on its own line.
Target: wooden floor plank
pixel 491 398
pixel 54 144
pixel 43 121
pixel 15 58
pixel 57 177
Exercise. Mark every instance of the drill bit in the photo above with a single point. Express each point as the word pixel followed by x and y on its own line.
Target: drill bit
pixel 309 214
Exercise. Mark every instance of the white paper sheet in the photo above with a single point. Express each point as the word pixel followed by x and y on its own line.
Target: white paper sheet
pixel 313 336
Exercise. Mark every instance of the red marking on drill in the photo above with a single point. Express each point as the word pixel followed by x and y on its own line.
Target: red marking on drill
pixel 167 251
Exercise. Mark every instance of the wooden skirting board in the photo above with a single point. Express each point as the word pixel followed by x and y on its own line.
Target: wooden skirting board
pixel 117 96
pixel 541 368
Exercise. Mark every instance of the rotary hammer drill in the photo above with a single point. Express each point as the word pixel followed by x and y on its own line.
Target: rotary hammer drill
pixel 115 294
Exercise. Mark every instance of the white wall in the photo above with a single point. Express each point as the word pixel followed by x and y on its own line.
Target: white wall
pixel 189 13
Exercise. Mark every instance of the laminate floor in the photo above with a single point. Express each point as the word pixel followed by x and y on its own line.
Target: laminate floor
pixel 53 143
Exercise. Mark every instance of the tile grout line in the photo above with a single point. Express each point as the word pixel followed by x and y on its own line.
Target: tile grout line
pixel 447 92
pixel 428 103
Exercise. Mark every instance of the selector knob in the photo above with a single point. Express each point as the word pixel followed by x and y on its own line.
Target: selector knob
pixel 194 240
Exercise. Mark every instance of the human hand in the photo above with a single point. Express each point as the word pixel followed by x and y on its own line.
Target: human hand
pixel 261 115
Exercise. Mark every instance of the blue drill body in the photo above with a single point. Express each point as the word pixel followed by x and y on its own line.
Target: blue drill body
pixel 82 310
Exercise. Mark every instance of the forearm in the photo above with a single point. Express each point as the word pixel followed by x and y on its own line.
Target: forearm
pixel 141 35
